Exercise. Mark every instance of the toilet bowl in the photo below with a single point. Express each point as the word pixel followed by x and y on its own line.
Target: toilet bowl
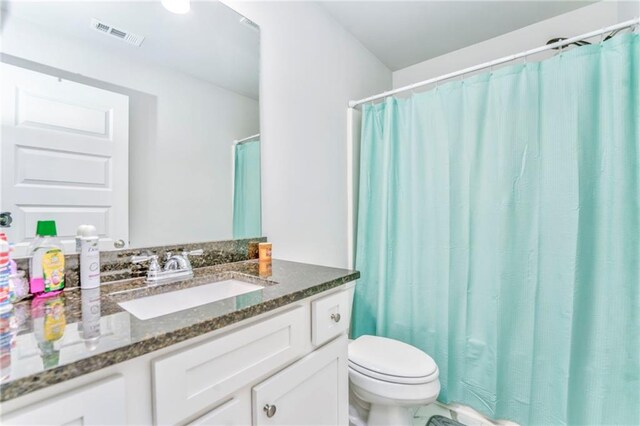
pixel 388 380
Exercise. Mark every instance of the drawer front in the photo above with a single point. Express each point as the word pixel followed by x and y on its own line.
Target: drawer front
pixel 194 379
pixel 234 412
pixel 329 317
pixel 101 403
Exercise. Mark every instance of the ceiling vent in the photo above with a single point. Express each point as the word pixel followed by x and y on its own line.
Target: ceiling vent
pixel 126 36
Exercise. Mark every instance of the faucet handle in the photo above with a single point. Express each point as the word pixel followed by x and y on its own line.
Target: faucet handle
pixel 186 254
pixel 198 252
pixel 154 266
pixel 142 258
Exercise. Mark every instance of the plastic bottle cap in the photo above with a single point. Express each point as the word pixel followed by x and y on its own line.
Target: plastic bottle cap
pixel 87 231
pixel 46 228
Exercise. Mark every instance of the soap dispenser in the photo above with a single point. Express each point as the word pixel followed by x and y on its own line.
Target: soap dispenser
pixel 46 267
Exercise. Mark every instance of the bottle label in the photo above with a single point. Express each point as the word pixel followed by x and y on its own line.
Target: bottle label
pixel 89 263
pixel 53 270
pixel 54 319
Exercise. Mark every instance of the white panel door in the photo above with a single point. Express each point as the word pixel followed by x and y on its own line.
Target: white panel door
pixel 64 157
pixel 313 391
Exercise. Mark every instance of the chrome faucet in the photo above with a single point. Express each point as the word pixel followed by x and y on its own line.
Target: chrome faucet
pixel 176 266
pixel 180 262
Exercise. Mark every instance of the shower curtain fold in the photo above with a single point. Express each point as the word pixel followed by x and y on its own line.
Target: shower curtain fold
pixel 499 231
pixel 246 190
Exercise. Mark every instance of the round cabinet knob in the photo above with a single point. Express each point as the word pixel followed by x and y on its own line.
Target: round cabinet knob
pixel 335 317
pixel 118 244
pixel 270 410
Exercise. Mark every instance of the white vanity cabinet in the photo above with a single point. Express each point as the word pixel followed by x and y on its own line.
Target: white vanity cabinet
pixel 284 367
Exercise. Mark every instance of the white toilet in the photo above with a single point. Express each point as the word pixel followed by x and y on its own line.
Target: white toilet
pixel 388 379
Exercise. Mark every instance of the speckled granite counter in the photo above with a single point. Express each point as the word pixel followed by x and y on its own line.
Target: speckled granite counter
pixel 81 331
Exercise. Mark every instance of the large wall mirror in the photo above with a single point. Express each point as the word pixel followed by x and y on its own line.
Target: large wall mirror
pixel 123 115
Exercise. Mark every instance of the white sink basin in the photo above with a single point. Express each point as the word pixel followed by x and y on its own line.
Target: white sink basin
pixel 168 303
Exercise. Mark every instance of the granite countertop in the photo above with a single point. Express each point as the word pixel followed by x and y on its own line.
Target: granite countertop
pixel 79 331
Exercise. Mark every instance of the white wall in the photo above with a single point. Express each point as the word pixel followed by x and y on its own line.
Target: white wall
pixel 628 10
pixel 310 68
pixel 181 133
pixel 576 22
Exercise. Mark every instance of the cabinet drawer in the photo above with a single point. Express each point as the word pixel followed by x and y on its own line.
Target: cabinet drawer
pixel 198 377
pixel 235 412
pixel 101 403
pixel 329 317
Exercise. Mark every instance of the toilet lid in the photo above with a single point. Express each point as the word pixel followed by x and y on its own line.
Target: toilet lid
pixel 391 360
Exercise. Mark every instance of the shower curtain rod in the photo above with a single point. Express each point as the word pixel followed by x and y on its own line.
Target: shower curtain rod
pixel 249 139
pixel 621 25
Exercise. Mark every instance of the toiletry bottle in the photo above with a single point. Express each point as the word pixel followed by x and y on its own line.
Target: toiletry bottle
pixel 46 267
pixel 264 252
pixel 49 323
pixel 5 296
pixel 89 328
pixel 88 249
pixel 6 344
pixel 18 284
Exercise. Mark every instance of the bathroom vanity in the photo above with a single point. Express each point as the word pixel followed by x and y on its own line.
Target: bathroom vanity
pixel 276 355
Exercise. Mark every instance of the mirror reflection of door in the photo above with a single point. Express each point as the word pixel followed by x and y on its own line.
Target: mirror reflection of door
pixel 246 188
pixel 64 157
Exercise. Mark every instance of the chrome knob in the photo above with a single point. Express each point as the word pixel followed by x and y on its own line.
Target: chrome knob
pixel 335 317
pixel 270 410
pixel 5 219
pixel 118 244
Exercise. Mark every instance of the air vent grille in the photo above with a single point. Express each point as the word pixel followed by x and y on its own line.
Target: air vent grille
pixel 127 36
pixel 118 33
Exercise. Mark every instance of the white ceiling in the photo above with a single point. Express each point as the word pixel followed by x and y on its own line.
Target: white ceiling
pixel 403 33
pixel 209 42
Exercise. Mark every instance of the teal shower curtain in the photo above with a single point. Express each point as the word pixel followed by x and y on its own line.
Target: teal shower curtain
pixel 499 231
pixel 246 191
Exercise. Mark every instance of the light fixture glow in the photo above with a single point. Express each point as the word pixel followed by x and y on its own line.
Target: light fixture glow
pixel 177 6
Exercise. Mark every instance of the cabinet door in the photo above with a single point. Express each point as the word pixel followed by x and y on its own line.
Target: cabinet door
pixel 101 403
pixel 313 391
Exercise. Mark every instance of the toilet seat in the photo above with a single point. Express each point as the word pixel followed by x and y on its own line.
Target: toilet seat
pixel 391 378
pixel 377 391
pixel 391 361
